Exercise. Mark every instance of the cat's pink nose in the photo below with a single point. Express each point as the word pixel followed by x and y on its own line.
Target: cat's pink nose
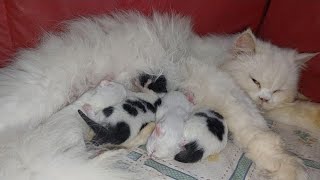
pixel 263 99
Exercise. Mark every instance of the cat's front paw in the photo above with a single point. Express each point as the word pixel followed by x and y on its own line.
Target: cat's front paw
pixel 291 168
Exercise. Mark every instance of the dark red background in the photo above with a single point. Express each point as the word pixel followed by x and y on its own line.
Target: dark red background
pixel 287 23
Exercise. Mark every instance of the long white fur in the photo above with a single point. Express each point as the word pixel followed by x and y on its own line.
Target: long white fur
pixel 40 81
pixel 276 69
pixel 56 148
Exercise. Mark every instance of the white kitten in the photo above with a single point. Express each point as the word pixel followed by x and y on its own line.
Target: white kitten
pixel 165 140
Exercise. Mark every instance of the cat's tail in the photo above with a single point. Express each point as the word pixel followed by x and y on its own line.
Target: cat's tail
pixel 113 134
pixel 302 114
pixel 191 154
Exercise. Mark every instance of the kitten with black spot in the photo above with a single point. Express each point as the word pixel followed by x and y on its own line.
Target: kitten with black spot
pixel 205 133
pixel 120 123
pixel 158 83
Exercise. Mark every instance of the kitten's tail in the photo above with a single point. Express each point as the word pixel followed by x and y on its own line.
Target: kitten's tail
pixel 116 134
pixel 97 128
pixel 191 154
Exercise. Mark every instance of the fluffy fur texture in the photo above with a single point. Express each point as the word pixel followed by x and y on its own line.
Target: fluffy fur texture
pixel 269 75
pixel 205 133
pixel 303 114
pixel 171 116
pixel 56 148
pixel 40 81
pixel 121 122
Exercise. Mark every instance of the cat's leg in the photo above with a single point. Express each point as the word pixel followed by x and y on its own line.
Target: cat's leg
pixel 142 137
pixel 302 114
pixel 216 90
pixel 261 145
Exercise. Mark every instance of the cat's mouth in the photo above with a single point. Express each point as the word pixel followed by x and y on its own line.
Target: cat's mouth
pixel 261 105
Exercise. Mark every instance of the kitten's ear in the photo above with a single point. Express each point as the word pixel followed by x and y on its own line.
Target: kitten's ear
pixel 245 43
pixel 302 58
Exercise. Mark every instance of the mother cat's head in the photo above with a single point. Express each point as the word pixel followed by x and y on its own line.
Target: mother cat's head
pixel 269 74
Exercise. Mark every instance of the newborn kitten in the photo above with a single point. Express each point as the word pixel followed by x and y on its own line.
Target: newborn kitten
pixel 205 133
pixel 165 140
pixel 120 123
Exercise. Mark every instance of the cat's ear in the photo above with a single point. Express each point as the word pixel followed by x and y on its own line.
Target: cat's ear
pixel 245 43
pixel 302 58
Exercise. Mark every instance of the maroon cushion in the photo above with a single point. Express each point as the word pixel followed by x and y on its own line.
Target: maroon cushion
pixel 23 21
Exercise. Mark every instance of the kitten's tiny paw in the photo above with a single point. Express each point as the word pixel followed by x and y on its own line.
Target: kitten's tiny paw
pixel 182 143
pixel 147 84
pixel 109 77
pixel 189 95
pixel 87 109
pixel 104 83
pixel 136 82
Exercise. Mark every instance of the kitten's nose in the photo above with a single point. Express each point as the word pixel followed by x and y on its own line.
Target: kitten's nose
pixel 263 99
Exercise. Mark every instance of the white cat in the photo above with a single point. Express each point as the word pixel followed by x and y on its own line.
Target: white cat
pixel 41 81
pixel 267 73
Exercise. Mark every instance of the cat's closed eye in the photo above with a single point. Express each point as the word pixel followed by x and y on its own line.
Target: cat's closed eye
pixel 275 91
pixel 256 82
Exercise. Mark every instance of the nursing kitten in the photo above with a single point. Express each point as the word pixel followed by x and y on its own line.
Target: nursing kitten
pixel 171 116
pixel 120 123
pixel 269 75
pixel 205 133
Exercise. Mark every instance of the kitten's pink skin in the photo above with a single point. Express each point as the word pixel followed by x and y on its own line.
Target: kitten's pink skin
pixel 88 110
pixel 109 77
pixel 182 143
pixel 144 88
pixel 104 83
pixel 190 96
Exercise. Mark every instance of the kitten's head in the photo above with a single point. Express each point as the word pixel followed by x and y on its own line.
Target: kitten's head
pixel 108 93
pixel 268 74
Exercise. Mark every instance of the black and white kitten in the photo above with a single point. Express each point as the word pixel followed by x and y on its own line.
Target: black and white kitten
pixel 120 123
pixel 205 133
